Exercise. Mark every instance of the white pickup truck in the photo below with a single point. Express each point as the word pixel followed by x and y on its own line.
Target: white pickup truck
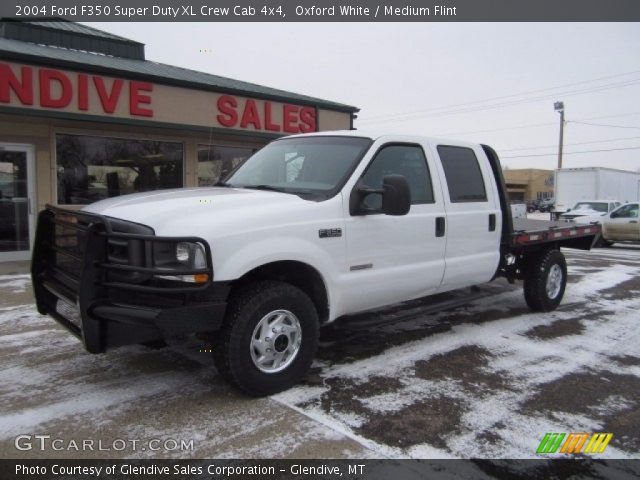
pixel 309 229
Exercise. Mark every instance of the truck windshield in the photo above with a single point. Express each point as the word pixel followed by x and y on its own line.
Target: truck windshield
pixel 301 165
pixel 597 206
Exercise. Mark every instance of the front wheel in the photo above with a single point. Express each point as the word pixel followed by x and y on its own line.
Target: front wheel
pixel 269 338
pixel 545 281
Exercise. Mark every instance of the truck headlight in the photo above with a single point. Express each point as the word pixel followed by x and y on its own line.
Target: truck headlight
pixel 182 252
pixel 191 254
pixel 170 256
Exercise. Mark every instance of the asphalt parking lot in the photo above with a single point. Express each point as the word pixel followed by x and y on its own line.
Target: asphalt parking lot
pixel 485 378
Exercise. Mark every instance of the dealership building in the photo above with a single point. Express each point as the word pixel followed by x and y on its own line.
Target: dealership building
pixel 84 116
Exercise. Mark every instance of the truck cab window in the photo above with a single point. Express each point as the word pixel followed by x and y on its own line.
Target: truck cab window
pixel 628 211
pixel 463 174
pixel 406 160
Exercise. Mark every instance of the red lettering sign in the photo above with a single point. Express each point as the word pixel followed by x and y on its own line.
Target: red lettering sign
pixel 109 100
pixel 57 90
pixel 83 92
pixel 308 120
pixel 22 88
pixel 268 125
pixel 294 119
pixel 47 78
pixel 136 98
pixel 227 108
pixel 250 115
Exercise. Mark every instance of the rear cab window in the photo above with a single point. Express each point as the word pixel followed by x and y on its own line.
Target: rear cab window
pixel 463 174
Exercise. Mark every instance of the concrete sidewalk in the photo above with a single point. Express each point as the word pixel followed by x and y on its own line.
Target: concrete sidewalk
pixel 15 268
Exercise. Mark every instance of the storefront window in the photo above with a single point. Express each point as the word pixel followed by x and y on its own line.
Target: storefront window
pixel 93 168
pixel 215 162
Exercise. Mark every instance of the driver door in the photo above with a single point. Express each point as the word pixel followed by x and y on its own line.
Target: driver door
pixel 395 258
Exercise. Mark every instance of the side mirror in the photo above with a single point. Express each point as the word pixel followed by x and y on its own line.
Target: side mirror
pixel 613 215
pixel 396 196
pixel 568 209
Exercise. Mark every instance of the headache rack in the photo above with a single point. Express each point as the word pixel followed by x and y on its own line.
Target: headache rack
pixel 92 263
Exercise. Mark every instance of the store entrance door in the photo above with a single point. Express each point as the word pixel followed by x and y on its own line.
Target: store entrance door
pixel 17 201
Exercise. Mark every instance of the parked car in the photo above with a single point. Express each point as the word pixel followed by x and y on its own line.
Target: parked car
pixel 546 205
pixel 263 260
pixel 622 224
pixel 532 205
pixel 589 208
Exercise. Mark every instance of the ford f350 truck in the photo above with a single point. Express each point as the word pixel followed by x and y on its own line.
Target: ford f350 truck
pixel 309 229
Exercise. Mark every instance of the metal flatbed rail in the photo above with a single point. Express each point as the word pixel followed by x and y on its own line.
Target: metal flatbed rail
pixel 527 232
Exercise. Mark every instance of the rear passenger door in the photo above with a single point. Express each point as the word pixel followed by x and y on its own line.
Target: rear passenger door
pixel 474 217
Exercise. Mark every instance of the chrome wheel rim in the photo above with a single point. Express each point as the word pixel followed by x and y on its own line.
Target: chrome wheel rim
pixel 275 342
pixel 554 281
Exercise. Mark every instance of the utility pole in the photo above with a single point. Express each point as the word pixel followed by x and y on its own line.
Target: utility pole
pixel 559 107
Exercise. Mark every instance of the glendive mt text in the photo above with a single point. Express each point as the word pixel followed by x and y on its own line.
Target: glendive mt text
pixel 178 469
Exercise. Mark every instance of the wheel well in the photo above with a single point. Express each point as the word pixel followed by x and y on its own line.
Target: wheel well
pixel 298 274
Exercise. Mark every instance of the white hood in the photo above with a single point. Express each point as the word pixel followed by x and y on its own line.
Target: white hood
pixel 582 212
pixel 186 211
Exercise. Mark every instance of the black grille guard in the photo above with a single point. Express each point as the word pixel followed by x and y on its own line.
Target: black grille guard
pixel 71 263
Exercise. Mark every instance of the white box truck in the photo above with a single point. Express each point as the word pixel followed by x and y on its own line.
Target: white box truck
pixel 573 185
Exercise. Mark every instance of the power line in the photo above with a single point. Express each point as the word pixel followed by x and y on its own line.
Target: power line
pixel 508 96
pixel 480 108
pixel 532 125
pixel 573 153
pixel 566 144
pixel 603 125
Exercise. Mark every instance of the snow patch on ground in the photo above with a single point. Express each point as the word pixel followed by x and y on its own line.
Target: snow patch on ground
pixel 15 283
pixel 610 327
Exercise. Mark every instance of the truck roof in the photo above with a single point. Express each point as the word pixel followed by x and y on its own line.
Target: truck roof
pixel 375 135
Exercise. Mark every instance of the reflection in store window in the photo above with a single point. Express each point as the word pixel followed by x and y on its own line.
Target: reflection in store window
pixel 14 217
pixel 92 168
pixel 215 162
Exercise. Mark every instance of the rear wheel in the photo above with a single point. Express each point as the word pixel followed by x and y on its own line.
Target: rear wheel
pixel 545 281
pixel 269 338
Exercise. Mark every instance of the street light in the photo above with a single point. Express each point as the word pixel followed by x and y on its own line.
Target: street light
pixel 559 107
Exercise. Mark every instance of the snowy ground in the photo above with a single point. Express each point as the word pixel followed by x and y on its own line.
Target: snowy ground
pixel 483 379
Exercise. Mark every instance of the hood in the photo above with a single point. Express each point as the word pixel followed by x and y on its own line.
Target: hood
pixel 582 212
pixel 184 210
pixel 587 219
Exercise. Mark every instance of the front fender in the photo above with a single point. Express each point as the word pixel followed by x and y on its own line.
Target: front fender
pixel 238 261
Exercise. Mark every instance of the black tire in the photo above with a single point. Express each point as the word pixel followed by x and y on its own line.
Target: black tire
pixel 535 282
pixel 232 348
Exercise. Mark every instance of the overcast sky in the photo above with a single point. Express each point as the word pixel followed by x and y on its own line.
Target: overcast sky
pixel 416 78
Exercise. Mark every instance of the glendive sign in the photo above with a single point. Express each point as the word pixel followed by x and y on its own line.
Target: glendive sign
pixel 43 88
pixel 56 90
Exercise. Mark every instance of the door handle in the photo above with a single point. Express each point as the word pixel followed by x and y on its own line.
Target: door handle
pixel 440 227
pixel 492 222
pixel 633 221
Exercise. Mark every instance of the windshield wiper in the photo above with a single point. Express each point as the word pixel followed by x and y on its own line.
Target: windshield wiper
pixel 271 188
pixel 222 184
